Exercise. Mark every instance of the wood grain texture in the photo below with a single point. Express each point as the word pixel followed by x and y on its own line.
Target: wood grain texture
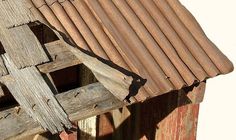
pixel 79 104
pixel 22 46
pixel 61 57
pixel 36 98
pixel 14 13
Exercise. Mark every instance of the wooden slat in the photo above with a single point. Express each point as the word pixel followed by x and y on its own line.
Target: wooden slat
pixel 61 57
pixel 22 46
pixel 79 103
pixel 36 97
pixel 14 13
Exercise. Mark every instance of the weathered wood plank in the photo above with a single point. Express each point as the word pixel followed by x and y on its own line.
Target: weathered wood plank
pixel 36 97
pixel 79 103
pixel 14 13
pixel 22 46
pixel 61 57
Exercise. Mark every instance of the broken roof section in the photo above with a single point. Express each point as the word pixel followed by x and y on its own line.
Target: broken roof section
pixel 158 40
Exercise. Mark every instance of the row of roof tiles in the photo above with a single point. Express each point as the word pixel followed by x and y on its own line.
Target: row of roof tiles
pixel 156 39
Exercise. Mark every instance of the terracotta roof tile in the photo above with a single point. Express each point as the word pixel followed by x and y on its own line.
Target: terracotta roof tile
pixel 159 40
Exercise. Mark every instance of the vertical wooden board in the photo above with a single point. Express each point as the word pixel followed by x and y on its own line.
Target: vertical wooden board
pixel 87 128
pixel 36 97
pixel 14 13
pixel 22 46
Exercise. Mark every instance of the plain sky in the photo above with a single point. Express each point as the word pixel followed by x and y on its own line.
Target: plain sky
pixel 217 117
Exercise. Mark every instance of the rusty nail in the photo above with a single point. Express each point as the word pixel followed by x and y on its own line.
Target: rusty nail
pixel 55 57
pixel 48 101
pixel 33 106
pixel 95 106
pixel 7 115
pixel 76 94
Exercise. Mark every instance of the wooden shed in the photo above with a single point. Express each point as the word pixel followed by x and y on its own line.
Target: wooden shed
pixel 103 69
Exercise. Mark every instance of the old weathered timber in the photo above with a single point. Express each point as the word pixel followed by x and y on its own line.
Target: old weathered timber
pixel 61 57
pixel 79 104
pixel 14 13
pixel 36 97
pixel 22 46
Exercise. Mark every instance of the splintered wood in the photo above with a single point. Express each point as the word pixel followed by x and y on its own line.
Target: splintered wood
pixel 14 13
pixel 36 97
pixel 22 46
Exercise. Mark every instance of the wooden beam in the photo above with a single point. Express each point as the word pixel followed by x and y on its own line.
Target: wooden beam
pixel 61 57
pixel 79 104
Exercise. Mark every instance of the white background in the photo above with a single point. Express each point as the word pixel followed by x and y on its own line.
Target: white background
pixel 217 118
